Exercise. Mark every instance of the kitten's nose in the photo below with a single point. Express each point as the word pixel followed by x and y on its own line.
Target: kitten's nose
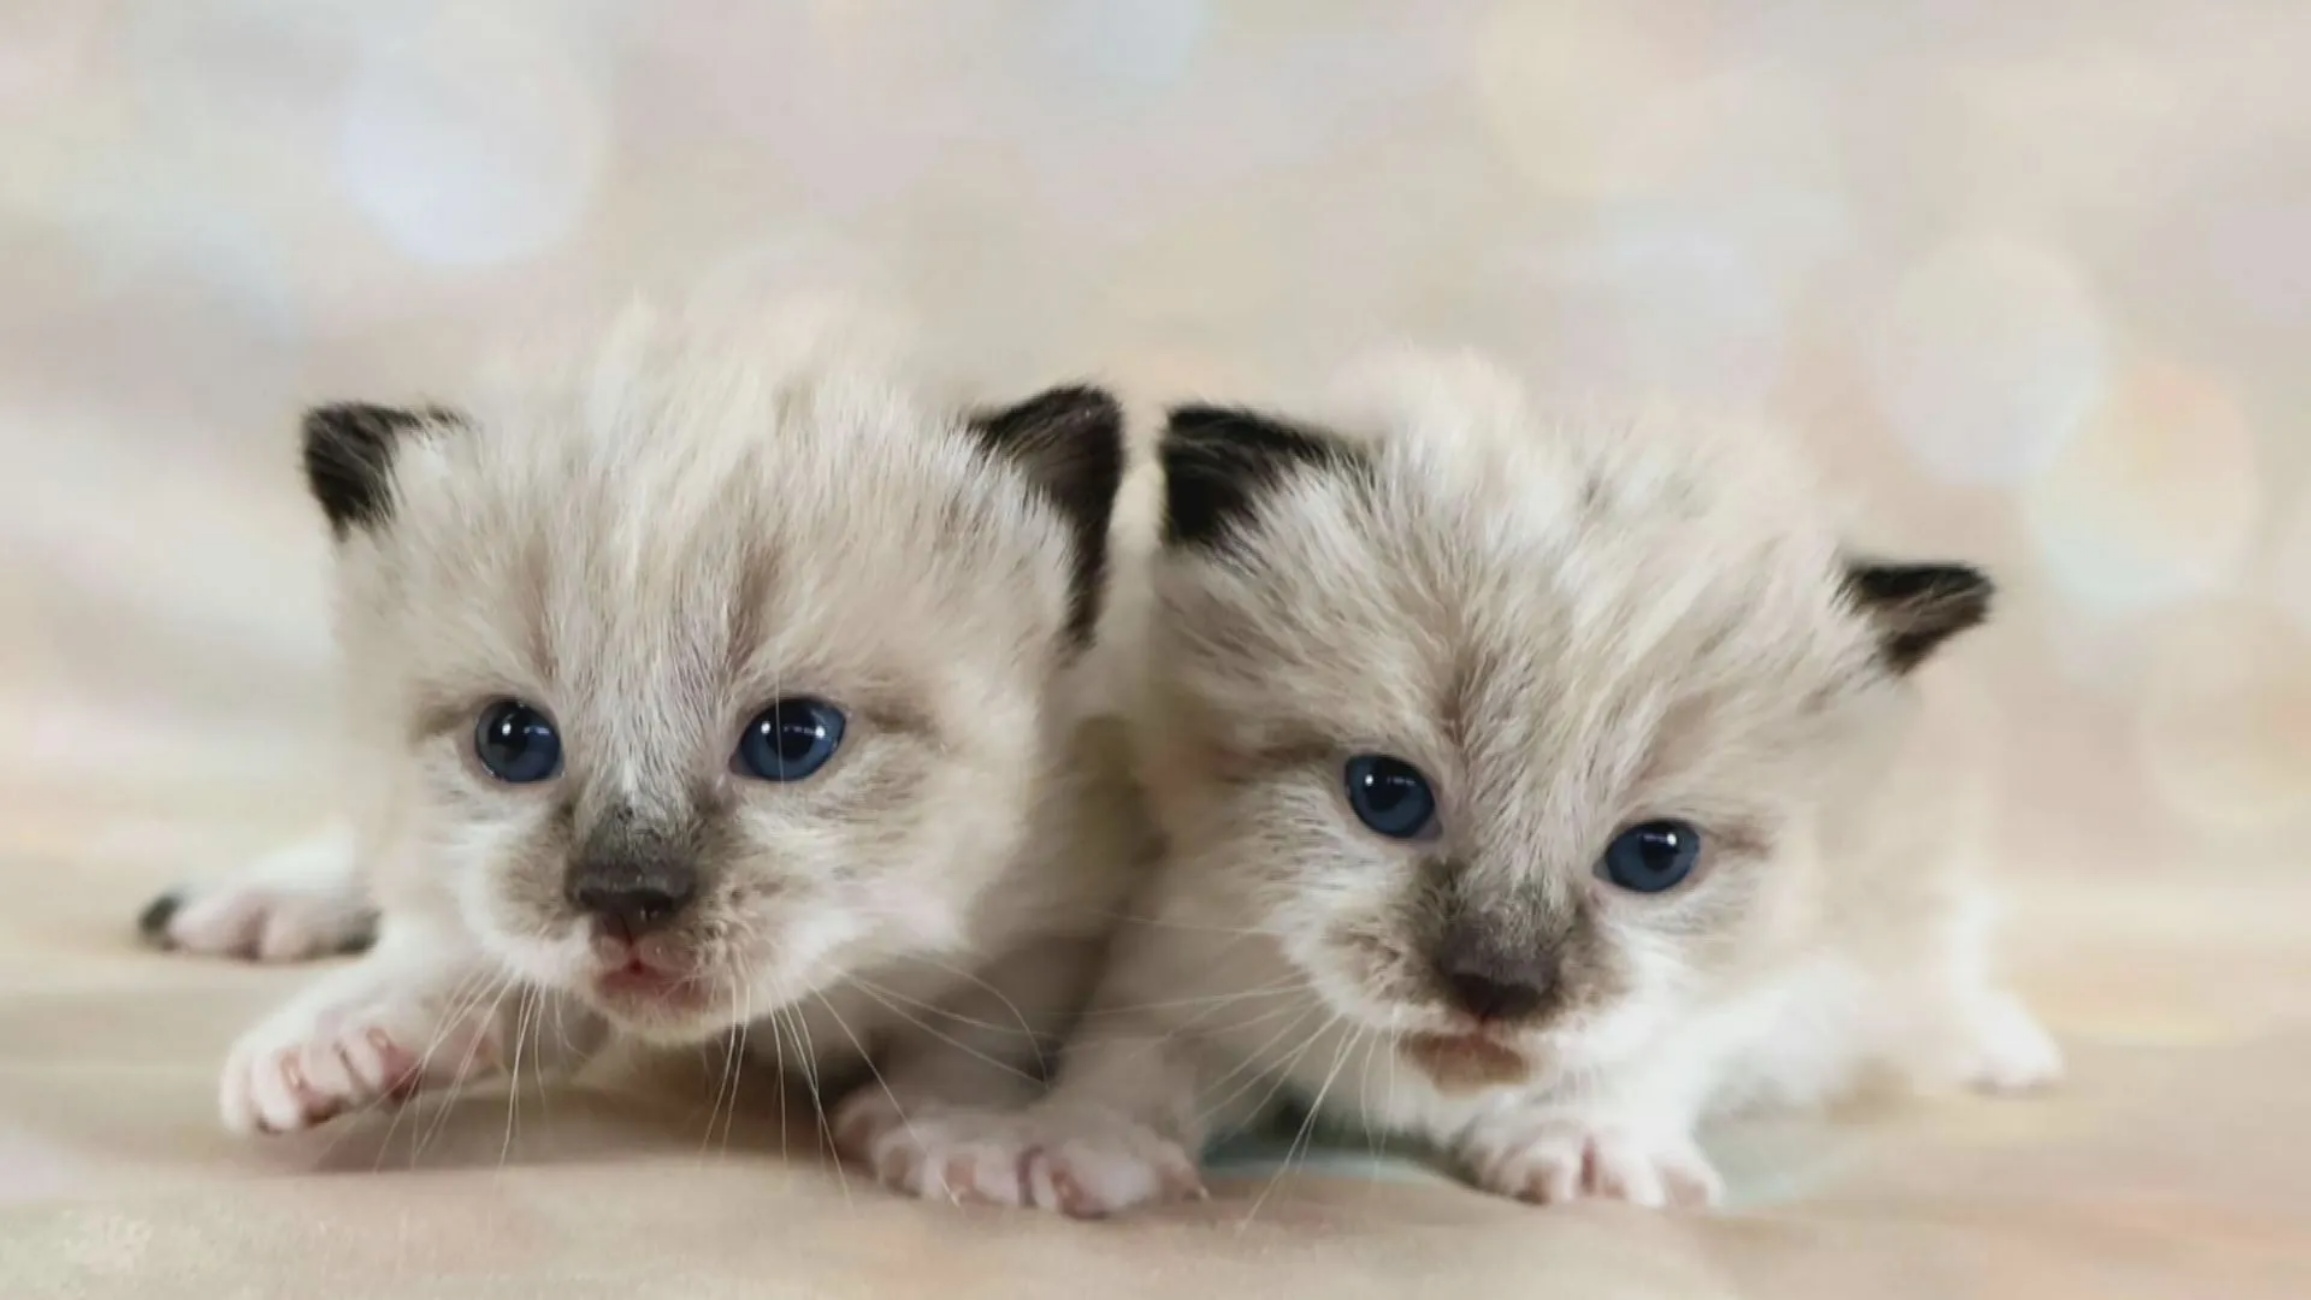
pixel 631 898
pixel 1491 985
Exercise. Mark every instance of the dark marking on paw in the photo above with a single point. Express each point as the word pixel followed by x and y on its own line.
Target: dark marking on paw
pixel 152 924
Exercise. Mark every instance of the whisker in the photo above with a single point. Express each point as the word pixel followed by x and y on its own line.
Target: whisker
pixel 1018 1016
pixel 933 1009
pixel 1307 1125
pixel 514 1090
pixel 872 1069
pixel 495 991
pixel 1193 927
pixel 948 1039
pixel 738 1056
pixel 808 1053
pixel 1282 988
pixel 475 980
pixel 1249 1068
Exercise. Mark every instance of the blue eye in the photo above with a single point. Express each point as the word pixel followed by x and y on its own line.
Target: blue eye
pixel 517 744
pixel 1652 856
pixel 1391 796
pixel 790 740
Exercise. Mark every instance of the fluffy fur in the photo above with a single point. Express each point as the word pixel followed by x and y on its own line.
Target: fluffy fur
pixel 1571 626
pixel 650 546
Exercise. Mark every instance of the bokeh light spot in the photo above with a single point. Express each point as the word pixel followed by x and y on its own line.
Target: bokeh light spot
pixel 474 147
pixel 1991 354
pixel 2155 499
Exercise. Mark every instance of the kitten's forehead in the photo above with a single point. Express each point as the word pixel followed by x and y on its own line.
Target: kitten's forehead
pixel 1492 585
pixel 712 540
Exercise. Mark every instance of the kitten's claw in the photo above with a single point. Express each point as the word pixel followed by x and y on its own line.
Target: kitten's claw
pixel 1083 1166
pixel 1092 1166
pixel 320 1057
pixel 1551 1157
pixel 935 1152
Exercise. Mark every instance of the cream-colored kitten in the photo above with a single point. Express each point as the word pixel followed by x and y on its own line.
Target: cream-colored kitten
pixel 1535 788
pixel 722 678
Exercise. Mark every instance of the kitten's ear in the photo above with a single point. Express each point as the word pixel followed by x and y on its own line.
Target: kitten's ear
pixel 1218 460
pixel 1916 607
pixel 1069 441
pixel 349 450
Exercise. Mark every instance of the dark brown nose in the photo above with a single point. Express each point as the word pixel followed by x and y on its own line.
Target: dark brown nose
pixel 1492 981
pixel 630 897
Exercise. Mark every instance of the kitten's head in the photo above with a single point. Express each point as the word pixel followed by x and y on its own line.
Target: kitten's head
pixel 1505 727
pixel 719 668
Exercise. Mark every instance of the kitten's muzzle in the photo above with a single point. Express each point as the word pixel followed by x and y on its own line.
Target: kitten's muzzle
pixel 629 897
pixel 1491 981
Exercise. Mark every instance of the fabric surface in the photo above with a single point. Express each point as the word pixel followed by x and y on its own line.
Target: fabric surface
pixel 2031 279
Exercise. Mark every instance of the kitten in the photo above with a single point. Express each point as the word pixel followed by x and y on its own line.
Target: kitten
pixel 1532 788
pixel 725 678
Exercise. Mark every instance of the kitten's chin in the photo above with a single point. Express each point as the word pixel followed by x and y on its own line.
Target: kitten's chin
pixel 661 1008
pixel 1469 1061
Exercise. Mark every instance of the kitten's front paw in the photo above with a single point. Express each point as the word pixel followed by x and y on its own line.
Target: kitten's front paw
pixel 1084 1165
pixel 322 1056
pixel 301 903
pixel 1091 1164
pixel 1551 1156
pixel 933 1151
pixel 2011 1051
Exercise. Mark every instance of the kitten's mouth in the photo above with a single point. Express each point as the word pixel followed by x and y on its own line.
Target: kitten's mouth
pixel 650 979
pixel 638 983
pixel 1465 1061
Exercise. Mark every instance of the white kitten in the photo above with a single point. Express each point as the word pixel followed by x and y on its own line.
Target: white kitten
pixel 722 678
pixel 1532 788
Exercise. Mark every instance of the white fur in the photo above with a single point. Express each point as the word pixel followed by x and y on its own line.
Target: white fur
pixel 652 542
pixel 1571 624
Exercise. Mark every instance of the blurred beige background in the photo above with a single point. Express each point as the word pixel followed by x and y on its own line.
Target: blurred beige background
pixel 2034 277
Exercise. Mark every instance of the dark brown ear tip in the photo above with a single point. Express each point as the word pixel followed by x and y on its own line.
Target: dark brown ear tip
pixel 1069 442
pixel 1220 461
pixel 1916 607
pixel 152 924
pixel 349 448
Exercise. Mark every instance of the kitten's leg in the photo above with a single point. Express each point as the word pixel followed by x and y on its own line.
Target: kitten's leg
pixel 302 901
pixel 938 1117
pixel 1131 1113
pixel 423 1009
pixel 2005 1049
pixel 1132 1107
pixel 2011 1052
pixel 1626 1136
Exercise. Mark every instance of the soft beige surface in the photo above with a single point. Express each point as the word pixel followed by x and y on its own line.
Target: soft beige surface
pixel 2172 1167
pixel 2034 277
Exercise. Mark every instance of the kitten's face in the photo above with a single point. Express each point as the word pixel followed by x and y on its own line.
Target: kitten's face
pixel 708 698
pixel 1505 731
